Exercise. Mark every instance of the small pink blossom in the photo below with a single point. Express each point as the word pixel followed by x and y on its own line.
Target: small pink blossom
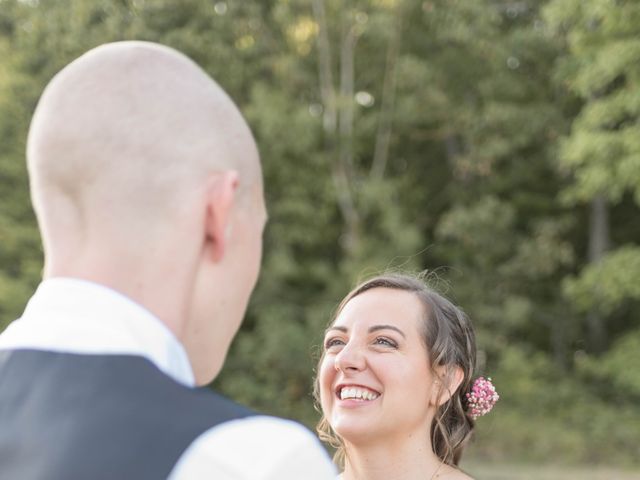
pixel 481 398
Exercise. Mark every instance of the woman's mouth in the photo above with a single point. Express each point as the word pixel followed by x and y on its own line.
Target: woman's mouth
pixel 356 392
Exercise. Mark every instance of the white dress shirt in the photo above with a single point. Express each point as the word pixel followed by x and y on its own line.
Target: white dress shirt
pixel 76 316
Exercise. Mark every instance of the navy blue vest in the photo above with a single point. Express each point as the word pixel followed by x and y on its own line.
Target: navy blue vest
pixel 67 416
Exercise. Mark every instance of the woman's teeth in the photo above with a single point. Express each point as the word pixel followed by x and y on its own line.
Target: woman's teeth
pixel 357 393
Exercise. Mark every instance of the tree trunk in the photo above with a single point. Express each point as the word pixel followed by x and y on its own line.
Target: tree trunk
pixel 340 155
pixel 559 340
pixel 383 136
pixel 345 130
pixel 598 246
pixel 327 91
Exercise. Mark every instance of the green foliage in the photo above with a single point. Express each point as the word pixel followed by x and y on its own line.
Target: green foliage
pixel 607 284
pixel 542 411
pixel 601 67
pixel 502 120
pixel 613 367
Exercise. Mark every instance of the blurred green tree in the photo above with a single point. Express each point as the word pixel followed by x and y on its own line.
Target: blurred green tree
pixel 432 135
pixel 602 151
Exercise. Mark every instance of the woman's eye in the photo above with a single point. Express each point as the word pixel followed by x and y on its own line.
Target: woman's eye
pixel 387 342
pixel 333 342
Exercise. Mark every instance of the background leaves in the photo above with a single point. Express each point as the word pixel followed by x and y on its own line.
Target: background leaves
pixel 494 144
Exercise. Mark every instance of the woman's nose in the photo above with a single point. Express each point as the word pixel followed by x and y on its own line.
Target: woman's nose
pixel 350 358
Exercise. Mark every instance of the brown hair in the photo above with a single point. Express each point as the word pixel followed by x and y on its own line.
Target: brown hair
pixel 450 342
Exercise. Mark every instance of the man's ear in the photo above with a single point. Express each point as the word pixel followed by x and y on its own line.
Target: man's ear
pixel 221 195
pixel 446 383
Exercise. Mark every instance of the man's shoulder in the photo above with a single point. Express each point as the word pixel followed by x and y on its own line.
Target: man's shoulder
pixel 140 381
pixel 76 407
pixel 260 434
pixel 203 401
pixel 259 446
pixel 262 429
pixel 131 390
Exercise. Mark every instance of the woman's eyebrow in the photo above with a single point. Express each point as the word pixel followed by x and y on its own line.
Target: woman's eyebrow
pixel 375 328
pixel 340 329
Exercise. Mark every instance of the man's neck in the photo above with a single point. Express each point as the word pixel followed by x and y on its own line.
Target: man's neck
pixel 161 298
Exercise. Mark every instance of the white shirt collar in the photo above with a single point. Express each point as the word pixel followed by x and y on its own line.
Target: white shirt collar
pixel 78 316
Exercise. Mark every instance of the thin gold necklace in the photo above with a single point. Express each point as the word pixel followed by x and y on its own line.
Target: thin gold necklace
pixel 435 474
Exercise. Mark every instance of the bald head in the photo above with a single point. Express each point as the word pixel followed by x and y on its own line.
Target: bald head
pixel 146 178
pixel 124 131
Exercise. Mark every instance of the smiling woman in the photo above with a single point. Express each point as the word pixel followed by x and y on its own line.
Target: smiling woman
pixel 393 380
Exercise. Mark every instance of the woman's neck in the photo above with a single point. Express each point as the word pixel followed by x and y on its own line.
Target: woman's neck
pixel 411 459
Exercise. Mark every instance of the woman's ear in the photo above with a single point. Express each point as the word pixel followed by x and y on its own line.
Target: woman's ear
pixel 447 381
pixel 221 194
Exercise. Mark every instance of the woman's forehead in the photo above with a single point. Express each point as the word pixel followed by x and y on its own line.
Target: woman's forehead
pixel 381 305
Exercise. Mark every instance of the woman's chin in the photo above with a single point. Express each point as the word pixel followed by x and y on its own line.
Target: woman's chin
pixel 356 432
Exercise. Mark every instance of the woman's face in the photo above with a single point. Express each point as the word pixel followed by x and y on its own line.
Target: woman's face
pixel 375 378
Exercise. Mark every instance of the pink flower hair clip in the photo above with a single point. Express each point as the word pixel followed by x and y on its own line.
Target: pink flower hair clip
pixel 481 398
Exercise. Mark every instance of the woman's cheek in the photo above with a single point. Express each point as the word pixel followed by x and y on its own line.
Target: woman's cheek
pixel 327 374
